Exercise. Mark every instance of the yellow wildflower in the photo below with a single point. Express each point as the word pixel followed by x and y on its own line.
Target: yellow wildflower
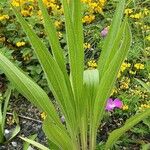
pixel 137 16
pixel 88 19
pixel 146 11
pixel 144 106
pixel 125 83
pixel 19 44
pixel 4 17
pixel 43 115
pixel 114 91
pixel 92 64
pixel 26 13
pixel 87 45
pixel 139 66
pixel 119 74
pixel 58 24
pixel 128 11
pixel 125 107
pixel 124 66
pixel 132 72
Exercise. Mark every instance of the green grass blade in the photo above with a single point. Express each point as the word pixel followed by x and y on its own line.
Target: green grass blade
pixel 8 93
pixel 116 134
pixel 1 130
pixel 76 53
pixel 36 144
pixel 108 80
pixel 110 39
pixel 15 131
pixel 109 77
pixel 54 134
pixel 144 85
pixel 114 48
pixel 52 37
pixel 54 75
pixel 26 145
pixel 55 45
pixel 28 88
pixel 31 91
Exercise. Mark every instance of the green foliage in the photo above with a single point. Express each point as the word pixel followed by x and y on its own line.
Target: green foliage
pixel 81 110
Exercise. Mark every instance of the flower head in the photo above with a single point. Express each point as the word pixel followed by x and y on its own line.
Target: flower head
pixel 104 32
pixel 111 104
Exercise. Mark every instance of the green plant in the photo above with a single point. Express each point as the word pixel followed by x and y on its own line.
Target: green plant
pixel 3 111
pixel 82 96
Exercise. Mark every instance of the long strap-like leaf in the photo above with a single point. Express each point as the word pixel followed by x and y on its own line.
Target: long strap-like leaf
pixel 116 134
pixel 27 87
pixel 110 39
pixel 53 73
pixel 75 47
pixel 55 134
pixel 55 46
pixel 109 77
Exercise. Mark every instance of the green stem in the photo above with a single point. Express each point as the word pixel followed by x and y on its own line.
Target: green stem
pixel 1 130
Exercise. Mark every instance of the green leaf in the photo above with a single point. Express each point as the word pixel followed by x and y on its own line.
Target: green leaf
pixel 27 144
pixel 52 37
pixel 108 79
pixel 15 131
pixel 144 85
pixel 36 144
pixel 3 113
pixel 116 134
pixel 75 47
pixel 28 88
pixel 57 136
pixel 111 37
pixel 146 146
pixel 53 73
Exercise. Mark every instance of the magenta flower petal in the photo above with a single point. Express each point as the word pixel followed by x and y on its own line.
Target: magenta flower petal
pixel 118 103
pixel 104 32
pixel 110 105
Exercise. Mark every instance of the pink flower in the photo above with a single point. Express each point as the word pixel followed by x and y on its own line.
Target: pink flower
pixel 104 32
pixel 111 104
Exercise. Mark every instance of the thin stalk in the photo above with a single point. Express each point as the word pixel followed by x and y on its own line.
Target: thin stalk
pixel 1 129
pixel 83 134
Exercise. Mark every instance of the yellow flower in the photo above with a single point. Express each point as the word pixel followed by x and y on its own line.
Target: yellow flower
pixel 124 83
pixel 4 17
pixel 139 66
pixel 114 91
pixel 88 19
pixel 137 16
pixel 124 66
pixel 92 64
pixel 119 74
pixel 87 45
pixel 26 13
pixel 43 115
pixel 146 11
pixel 144 106
pixel 132 72
pixel 19 44
pixel 125 107
pixel 60 35
pixel 58 24
pixel 128 11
